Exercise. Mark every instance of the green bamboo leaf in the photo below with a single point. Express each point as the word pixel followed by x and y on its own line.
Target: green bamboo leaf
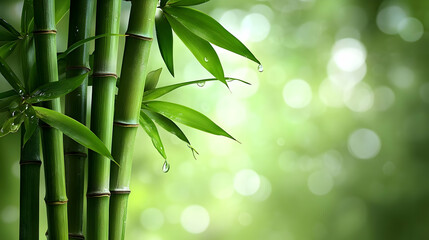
pixel 27 16
pixel 61 9
pixel 170 127
pixel 164 35
pixel 11 77
pixel 161 91
pixel 12 124
pixel 186 116
pixel 151 130
pixel 202 50
pixel 9 102
pixel 152 79
pixel 209 29
pixel 31 122
pixel 7 94
pixel 54 90
pixel 73 129
pixel 186 2
pixel 78 44
pixel 7 49
pixel 163 2
pixel 10 28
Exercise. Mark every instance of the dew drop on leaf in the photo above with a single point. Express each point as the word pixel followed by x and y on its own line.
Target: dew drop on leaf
pixel 260 68
pixel 201 84
pixel 205 59
pixel 165 167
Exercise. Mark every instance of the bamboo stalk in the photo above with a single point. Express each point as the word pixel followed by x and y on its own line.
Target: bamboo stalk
pixel 75 155
pixel 131 86
pixel 103 96
pixel 29 188
pixel 52 139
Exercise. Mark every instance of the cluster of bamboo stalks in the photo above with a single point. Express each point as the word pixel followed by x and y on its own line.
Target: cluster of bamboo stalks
pixel 35 103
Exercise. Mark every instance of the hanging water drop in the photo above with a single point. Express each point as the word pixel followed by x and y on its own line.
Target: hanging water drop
pixel 260 68
pixel 201 84
pixel 205 59
pixel 165 167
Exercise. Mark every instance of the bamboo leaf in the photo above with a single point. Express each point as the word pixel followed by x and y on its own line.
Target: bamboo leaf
pixel 152 79
pixel 187 116
pixel 163 2
pixel 186 2
pixel 27 16
pixel 73 129
pixel 161 91
pixel 7 94
pixel 12 124
pixel 7 102
pixel 209 29
pixel 61 9
pixel 7 49
pixel 202 50
pixel 10 28
pixel 78 44
pixel 151 130
pixel 54 90
pixel 170 127
pixel 11 77
pixel 31 122
pixel 164 35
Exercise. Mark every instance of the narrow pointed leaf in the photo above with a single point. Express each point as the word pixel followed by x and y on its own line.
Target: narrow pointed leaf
pixel 161 91
pixel 202 50
pixel 164 34
pixel 7 94
pixel 163 2
pixel 151 130
pixel 186 2
pixel 54 90
pixel 9 28
pixel 7 49
pixel 31 122
pixel 7 102
pixel 26 16
pixel 78 44
pixel 187 116
pixel 12 124
pixel 11 77
pixel 209 29
pixel 61 9
pixel 73 129
pixel 152 79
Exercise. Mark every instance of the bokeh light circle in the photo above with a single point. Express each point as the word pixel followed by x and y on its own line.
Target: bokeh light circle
pixel 246 182
pixel 320 183
pixel 152 219
pixel 297 93
pixel 364 143
pixel 410 29
pixel 195 219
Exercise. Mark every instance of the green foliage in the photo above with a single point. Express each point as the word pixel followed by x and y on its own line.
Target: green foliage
pixel 149 126
pixel 164 35
pixel 152 79
pixel 185 2
pixel 11 77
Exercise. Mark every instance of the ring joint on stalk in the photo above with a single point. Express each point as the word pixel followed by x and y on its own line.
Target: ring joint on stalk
pixel 45 32
pixel 101 75
pixel 56 202
pixel 32 162
pixel 78 68
pixel 76 236
pixel 139 37
pixel 125 125
pixel 120 192
pixel 98 194
pixel 79 154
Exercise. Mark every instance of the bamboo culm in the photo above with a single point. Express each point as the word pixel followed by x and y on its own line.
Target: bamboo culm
pixel 52 139
pixel 75 155
pixel 103 96
pixel 131 86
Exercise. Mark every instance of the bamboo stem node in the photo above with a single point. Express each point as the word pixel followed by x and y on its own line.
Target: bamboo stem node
pixel 120 192
pixel 126 125
pixel 80 154
pixel 76 236
pixel 98 194
pixel 56 202
pixel 101 75
pixel 32 162
pixel 144 38
pixel 45 32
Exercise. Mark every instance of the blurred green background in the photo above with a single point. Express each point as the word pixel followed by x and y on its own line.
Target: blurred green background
pixel 334 132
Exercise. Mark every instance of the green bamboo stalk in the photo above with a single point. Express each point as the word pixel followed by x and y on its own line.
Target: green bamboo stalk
pixel 75 155
pixel 103 96
pixel 29 188
pixel 131 86
pixel 52 139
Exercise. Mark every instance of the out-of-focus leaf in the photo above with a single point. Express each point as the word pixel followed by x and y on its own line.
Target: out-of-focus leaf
pixel 26 16
pixel 186 116
pixel 151 130
pixel 78 44
pixel 7 94
pixel 202 50
pixel 8 102
pixel 12 124
pixel 9 28
pixel 163 2
pixel 186 2
pixel 61 9
pixel 209 29
pixel 164 35
pixel 152 79
pixel 7 49
pixel 161 91
pixel 169 126
pixel 73 129
pixel 11 77
pixel 54 90
pixel 31 122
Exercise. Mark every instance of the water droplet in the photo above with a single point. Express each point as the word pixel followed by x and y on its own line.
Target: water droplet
pixel 20 92
pixel 229 80
pixel 205 59
pixel 260 68
pixel 201 84
pixel 166 167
